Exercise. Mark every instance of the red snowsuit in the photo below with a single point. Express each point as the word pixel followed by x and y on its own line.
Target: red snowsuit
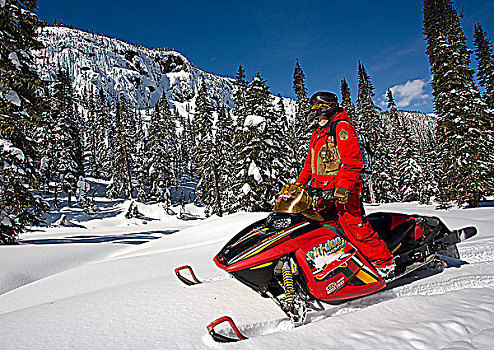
pixel 329 166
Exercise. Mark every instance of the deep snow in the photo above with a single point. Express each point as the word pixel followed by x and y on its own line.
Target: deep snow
pixel 108 283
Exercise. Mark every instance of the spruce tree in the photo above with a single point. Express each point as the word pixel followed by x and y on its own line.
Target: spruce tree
pixel 141 162
pixel 20 108
pixel 395 142
pixel 66 142
pixel 368 122
pixel 161 173
pixel 346 100
pixel 96 140
pixel 463 129
pixel 121 146
pixel 485 64
pixel 298 131
pixel 207 155
pixel 240 95
pixel 259 168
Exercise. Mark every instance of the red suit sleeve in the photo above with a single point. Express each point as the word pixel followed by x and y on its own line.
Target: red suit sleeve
pixel 351 159
pixel 306 173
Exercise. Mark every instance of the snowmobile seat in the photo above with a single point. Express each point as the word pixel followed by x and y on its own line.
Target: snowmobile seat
pixel 382 223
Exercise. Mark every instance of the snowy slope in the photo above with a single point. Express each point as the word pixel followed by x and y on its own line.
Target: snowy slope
pixel 140 74
pixel 65 291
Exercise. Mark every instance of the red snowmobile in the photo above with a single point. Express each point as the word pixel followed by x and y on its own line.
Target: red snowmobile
pixel 295 256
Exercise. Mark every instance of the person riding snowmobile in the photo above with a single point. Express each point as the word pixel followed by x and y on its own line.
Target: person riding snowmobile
pixel 335 165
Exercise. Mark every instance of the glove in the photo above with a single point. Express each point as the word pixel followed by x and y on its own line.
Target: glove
pixel 341 195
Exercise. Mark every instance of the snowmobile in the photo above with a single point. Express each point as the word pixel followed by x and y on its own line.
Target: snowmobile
pixel 295 256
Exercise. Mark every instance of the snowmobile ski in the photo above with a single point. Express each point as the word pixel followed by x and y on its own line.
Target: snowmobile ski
pixel 185 280
pixel 223 338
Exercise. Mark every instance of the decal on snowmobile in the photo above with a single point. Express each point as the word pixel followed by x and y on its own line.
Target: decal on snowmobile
pixel 267 243
pixel 321 256
pixel 334 286
pixel 325 249
pixel 258 231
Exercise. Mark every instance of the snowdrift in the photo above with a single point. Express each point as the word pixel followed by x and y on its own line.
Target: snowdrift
pixel 111 285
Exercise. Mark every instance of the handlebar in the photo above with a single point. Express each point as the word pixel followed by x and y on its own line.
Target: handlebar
pixel 318 193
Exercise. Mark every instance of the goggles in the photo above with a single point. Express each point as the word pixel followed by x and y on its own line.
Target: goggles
pixel 317 106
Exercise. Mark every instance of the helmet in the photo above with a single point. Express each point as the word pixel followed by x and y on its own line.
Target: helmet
pixel 322 103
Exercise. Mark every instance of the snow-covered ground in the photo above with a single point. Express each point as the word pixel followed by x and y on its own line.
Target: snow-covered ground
pixel 108 283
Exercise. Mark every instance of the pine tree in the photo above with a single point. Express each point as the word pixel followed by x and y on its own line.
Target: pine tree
pixel 394 152
pixel 259 169
pixel 141 162
pixel 20 108
pixel 97 128
pixel 207 155
pixel 161 173
pixel 240 95
pixel 346 100
pixel 463 129
pixel 280 130
pixel 300 90
pixel 66 151
pixel 122 146
pixel 225 130
pixel 298 130
pixel 369 124
pixel 485 64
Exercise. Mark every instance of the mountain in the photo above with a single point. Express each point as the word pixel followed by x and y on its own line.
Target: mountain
pixel 140 74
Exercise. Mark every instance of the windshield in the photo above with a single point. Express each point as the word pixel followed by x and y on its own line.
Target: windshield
pixel 292 199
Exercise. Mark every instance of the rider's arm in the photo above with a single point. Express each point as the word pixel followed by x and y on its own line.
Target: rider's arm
pixel 306 173
pixel 351 159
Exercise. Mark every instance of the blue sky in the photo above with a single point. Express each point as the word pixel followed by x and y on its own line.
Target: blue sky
pixel 328 38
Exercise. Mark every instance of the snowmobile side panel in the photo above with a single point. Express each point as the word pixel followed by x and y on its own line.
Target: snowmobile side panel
pixel 330 263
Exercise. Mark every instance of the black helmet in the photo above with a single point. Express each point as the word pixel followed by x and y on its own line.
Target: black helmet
pixel 322 103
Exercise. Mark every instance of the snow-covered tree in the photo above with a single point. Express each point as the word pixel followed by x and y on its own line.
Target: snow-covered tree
pixel 258 169
pixel 464 133
pixel 161 172
pixel 369 122
pixel 96 135
pixel 298 135
pixel 141 162
pixel 65 149
pixel 240 95
pixel 20 108
pixel 485 64
pixel 122 146
pixel 346 100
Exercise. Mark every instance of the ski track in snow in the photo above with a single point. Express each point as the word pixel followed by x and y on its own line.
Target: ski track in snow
pixel 454 304
pixel 474 255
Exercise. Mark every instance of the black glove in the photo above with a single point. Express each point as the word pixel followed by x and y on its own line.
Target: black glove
pixel 341 195
pixel 327 195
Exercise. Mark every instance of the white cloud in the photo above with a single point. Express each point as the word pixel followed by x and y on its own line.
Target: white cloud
pixel 411 91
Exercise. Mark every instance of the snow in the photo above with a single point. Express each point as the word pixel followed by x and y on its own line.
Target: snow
pixel 15 60
pixel 108 283
pixel 6 146
pixel 254 171
pixel 13 98
pixel 246 188
pixel 253 120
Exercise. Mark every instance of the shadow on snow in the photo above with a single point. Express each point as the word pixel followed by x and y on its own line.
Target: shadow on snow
pixel 128 238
